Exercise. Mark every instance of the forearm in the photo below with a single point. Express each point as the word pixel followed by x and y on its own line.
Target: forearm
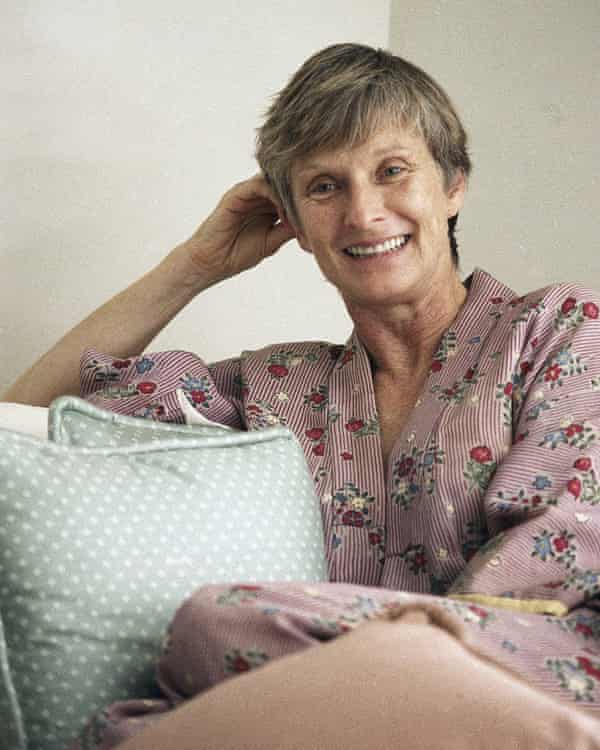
pixel 124 326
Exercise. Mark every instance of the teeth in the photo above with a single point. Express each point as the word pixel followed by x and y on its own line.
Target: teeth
pixel 382 247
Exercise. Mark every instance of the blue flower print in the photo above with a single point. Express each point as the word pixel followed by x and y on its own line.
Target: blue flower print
pixel 541 482
pixel 543 548
pixel 144 365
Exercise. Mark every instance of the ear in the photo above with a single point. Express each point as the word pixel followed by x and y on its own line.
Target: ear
pixel 456 193
pixel 300 236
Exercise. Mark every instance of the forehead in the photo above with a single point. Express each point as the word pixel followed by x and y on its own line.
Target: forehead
pixel 392 140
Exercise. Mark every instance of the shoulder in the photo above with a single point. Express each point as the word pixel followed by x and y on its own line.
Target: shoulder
pixel 562 307
pixel 552 309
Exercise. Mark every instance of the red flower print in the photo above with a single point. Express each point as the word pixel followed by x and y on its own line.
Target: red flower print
pixel 536 500
pixel 479 611
pixel 252 408
pixel 534 342
pixel 497 300
pixel 317 398
pixel 583 464
pixel 353 518
pixel 198 397
pixel 278 371
pixel 568 305
pixel 405 466
pixel 374 538
pixel 573 429
pixel 315 433
pixel 348 354
pixel 247 587
pixel 574 487
pixel 552 373
pixel 121 364
pixel 240 664
pixel 588 667
pixel 525 367
pixel 146 387
pixel 560 544
pixel 583 629
pixel 590 310
pixel 521 436
pixel 469 373
pixel 419 560
pixel 436 366
pixel 319 449
pixel 347 456
pixel 481 454
pixel 354 425
pixel 508 389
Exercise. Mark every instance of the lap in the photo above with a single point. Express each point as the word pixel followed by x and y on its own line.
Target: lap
pixel 225 631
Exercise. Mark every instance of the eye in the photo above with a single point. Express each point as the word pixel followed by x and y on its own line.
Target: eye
pixel 394 170
pixel 322 188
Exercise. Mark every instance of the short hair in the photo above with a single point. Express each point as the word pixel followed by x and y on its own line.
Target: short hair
pixel 342 95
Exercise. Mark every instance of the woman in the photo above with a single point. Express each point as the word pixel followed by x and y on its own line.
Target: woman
pixel 453 441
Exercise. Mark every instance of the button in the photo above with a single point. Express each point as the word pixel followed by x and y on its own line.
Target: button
pixel 442 553
pixel 327 497
pixel 450 508
pixel 419 401
pixel 495 561
pixel 411 437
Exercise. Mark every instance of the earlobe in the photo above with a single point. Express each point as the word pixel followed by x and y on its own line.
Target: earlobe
pixel 300 239
pixel 456 193
pixel 300 236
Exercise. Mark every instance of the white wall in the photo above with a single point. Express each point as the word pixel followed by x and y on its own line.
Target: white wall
pixel 525 77
pixel 123 121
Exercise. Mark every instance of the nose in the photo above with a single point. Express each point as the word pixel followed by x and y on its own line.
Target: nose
pixel 364 206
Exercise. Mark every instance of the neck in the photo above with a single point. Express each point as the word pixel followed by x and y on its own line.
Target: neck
pixel 402 339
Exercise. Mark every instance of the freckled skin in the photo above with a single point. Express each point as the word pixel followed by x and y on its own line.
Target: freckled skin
pixel 388 186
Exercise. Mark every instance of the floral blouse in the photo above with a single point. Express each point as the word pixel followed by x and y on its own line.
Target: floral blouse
pixel 492 486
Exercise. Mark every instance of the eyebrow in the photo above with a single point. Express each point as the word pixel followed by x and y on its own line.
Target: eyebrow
pixel 315 166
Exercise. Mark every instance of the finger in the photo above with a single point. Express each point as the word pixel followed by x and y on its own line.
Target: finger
pixel 256 189
pixel 278 235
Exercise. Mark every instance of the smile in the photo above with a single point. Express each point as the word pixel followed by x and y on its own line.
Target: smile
pixel 396 243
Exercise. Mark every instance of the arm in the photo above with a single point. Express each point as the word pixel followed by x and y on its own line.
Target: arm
pixel 542 504
pixel 240 233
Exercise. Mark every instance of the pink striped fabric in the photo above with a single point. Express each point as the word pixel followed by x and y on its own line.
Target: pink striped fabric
pixel 493 485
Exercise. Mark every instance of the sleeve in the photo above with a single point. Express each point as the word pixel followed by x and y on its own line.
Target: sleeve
pixel 542 505
pixel 146 386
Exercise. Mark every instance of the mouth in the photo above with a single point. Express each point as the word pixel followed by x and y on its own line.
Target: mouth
pixel 393 245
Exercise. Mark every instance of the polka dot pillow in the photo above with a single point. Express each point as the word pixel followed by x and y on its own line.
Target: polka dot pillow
pixel 98 547
pixel 73 421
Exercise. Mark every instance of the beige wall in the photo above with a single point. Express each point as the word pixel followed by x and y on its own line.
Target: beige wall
pixel 525 77
pixel 122 124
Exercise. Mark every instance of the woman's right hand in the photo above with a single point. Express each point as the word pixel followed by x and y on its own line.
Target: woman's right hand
pixel 246 227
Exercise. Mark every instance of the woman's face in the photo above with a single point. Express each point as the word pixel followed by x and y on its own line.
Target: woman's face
pixel 389 190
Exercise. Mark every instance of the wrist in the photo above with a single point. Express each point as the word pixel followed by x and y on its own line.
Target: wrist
pixel 182 276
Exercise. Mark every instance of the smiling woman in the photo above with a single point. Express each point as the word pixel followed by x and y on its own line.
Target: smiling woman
pixel 454 443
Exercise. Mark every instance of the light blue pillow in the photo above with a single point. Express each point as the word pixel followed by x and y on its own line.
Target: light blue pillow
pixel 99 546
pixel 73 421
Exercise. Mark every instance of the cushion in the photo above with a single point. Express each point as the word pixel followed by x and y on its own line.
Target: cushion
pixel 30 420
pixel 73 421
pixel 99 546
